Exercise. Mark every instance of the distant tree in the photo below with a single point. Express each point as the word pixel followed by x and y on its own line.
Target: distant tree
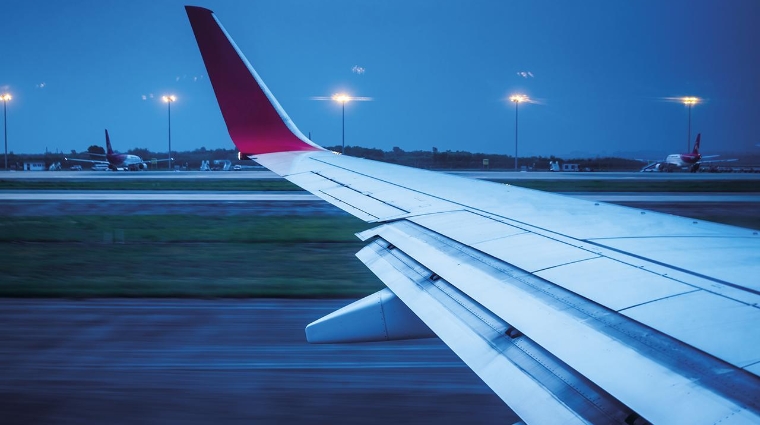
pixel 143 153
pixel 73 152
pixel 95 149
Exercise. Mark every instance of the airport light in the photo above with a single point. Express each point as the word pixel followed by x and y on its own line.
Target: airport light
pixel 517 98
pixel 689 101
pixel 169 100
pixel 342 98
pixel 5 97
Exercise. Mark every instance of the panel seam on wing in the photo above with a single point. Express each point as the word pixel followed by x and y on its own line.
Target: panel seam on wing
pixel 361 193
pixel 659 299
pixel 686 271
pixel 564 264
pixel 344 202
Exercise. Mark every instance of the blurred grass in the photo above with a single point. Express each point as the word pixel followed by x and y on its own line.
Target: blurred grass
pixel 274 184
pixel 182 256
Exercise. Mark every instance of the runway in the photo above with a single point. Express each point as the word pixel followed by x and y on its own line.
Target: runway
pixel 738 209
pixel 229 196
pixel 220 361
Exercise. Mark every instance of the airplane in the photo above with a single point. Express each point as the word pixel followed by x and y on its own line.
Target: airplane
pixel 692 160
pixel 571 311
pixel 117 161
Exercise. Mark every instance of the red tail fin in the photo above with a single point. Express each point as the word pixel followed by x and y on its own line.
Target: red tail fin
pixel 696 143
pixel 256 122
pixel 109 150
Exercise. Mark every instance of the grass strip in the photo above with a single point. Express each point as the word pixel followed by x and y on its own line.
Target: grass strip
pixel 182 256
pixel 127 183
pixel 292 270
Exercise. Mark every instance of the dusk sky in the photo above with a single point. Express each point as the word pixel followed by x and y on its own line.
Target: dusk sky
pixel 603 74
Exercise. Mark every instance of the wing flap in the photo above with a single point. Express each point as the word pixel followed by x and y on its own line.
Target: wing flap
pixel 619 280
pixel 522 374
pixel 689 384
pixel 721 326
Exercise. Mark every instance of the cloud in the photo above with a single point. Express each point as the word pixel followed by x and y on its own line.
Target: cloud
pixel 184 77
pixel 144 97
pixel 40 85
pixel 358 70
pixel 525 74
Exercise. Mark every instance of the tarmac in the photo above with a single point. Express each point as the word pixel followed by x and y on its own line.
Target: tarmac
pixel 182 361
pixel 238 361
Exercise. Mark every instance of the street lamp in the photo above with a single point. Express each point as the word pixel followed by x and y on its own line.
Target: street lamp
pixel 169 100
pixel 5 97
pixel 342 98
pixel 517 98
pixel 689 101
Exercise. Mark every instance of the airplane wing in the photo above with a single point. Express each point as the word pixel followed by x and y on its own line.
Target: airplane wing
pixel 572 311
pixel 714 161
pixel 92 161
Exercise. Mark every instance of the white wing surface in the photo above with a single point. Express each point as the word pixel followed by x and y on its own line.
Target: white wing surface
pixel 571 311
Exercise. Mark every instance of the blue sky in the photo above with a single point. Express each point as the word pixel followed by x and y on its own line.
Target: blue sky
pixel 438 71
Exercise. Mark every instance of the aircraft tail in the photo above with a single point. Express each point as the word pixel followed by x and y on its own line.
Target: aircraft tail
pixel 255 120
pixel 109 149
pixel 696 143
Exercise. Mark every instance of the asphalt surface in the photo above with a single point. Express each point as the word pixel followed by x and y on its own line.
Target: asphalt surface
pixel 220 361
pixel 739 209
pixel 236 361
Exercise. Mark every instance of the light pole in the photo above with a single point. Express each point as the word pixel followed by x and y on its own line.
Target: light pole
pixel 689 101
pixel 342 98
pixel 5 97
pixel 517 98
pixel 169 100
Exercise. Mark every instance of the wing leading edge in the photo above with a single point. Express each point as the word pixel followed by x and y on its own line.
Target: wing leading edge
pixel 560 305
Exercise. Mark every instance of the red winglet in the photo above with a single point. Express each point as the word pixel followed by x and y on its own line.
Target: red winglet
pixel 256 122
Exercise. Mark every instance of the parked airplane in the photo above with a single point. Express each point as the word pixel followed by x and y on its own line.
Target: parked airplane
pixel 118 161
pixel 573 312
pixel 691 161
